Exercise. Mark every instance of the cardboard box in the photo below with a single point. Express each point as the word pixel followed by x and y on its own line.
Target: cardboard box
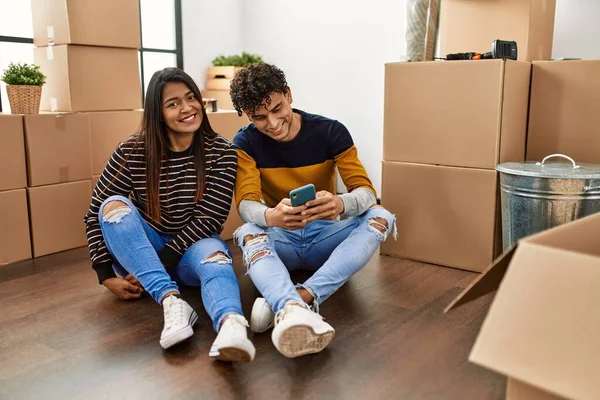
pixel 541 329
pixel 218 84
pixel 222 96
pixel 456 113
pixel 472 26
pixel 58 148
pixel 108 129
pixel 221 72
pixel 94 182
pixel 446 215
pixel 564 112
pixel 57 213
pixel 233 222
pixel 227 123
pixel 15 244
pixel 12 153
pixel 85 78
pixel 85 22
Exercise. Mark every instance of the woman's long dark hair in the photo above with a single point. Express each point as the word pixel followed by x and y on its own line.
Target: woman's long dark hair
pixel 153 132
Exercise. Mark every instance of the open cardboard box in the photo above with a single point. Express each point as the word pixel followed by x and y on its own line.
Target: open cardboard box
pixel 542 330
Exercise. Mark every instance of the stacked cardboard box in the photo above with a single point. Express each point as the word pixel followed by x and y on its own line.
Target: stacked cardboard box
pixel 218 80
pixel 564 112
pixel 472 26
pixel 14 220
pixel 91 90
pixel 59 173
pixel 107 130
pixel 446 127
pixel 90 65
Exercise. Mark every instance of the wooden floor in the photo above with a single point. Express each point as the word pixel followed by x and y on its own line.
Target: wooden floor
pixel 63 336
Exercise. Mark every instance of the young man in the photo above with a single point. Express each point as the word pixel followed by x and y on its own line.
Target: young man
pixel 281 150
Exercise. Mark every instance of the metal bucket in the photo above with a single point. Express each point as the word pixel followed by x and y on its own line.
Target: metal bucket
pixel 538 195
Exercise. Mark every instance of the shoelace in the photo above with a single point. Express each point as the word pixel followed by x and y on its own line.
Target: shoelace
pixel 281 315
pixel 237 323
pixel 173 312
pixel 285 310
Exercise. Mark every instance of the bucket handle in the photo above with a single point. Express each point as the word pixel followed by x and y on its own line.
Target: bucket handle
pixel 590 188
pixel 575 166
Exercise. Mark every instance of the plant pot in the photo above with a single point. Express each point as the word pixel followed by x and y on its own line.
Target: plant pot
pixel 221 72
pixel 24 99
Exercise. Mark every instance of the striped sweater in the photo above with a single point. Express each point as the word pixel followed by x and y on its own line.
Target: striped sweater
pixel 181 215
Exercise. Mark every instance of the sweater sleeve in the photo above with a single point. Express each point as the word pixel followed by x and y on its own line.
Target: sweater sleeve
pixel 115 180
pixel 210 213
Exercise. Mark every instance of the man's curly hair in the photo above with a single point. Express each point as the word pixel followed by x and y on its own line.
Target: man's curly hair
pixel 254 84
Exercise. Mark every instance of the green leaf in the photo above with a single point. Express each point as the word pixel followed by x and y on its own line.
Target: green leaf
pixel 23 74
pixel 237 60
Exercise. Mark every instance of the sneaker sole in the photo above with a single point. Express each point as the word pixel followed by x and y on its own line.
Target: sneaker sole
pixel 231 354
pixel 301 340
pixel 180 335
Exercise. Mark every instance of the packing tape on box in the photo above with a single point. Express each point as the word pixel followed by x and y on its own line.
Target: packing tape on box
pixel 53 104
pixel 50 30
pixel 49 53
pixel 60 122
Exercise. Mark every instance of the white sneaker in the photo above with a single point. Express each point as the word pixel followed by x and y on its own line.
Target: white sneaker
pixel 299 331
pixel 262 317
pixel 179 319
pixel 232 343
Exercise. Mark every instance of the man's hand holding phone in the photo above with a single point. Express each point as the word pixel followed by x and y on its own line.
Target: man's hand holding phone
pixel 326 206
pixel 286 216
pixel 304 206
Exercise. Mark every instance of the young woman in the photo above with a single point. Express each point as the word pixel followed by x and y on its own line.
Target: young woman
pixel 157 211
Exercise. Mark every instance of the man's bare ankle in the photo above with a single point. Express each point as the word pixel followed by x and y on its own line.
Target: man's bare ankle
pixel 305 295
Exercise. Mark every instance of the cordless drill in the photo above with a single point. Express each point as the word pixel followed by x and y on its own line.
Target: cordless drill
pixel 500 49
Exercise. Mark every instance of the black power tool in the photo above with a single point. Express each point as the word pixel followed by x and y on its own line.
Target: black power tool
pixel 501 49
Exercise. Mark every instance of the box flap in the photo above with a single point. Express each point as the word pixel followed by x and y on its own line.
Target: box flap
pixel 578 236
pixel 517 390
pixel 541 328
pixel 487 282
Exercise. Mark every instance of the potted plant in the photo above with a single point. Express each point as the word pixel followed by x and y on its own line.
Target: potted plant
pixel 24 87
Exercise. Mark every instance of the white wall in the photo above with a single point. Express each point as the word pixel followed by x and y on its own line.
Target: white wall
pixel 209 29
pixel 333 53
pixel 577 29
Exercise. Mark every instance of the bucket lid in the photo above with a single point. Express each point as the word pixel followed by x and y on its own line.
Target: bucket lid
pixel 544 169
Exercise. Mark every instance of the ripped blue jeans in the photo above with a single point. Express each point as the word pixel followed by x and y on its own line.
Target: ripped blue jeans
pixel 333 250
pixel 206 264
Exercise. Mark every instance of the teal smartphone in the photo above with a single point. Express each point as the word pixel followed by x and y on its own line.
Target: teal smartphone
pixel 303 194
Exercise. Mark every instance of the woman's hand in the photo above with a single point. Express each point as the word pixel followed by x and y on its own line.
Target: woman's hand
pixel 123 288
